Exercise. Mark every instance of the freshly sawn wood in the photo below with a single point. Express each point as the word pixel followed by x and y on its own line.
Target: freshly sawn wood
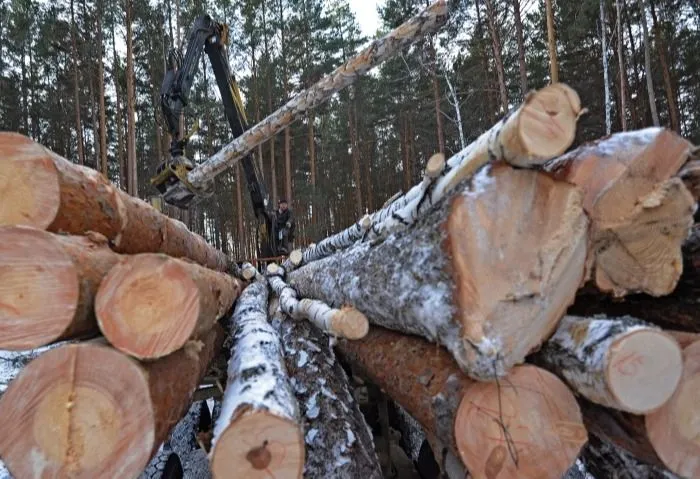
pixel 150 304
pixel 459 275
pixel 43 190
pixel 86 410
pixel 526 426
pixel 48 284
pixel 257 433
pixel 621 363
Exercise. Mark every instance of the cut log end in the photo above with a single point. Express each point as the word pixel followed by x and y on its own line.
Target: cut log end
pixel 160 318
pixel 644 369
pixel 39 288
pixel 674 428
pixel 547 122
pixel 73 410
pixel 28 181
pixel 249 272
pixel 296 257
pixel 349 323
pixel 435 165
pixel 259 444
pixel 545 431
pixel 272 269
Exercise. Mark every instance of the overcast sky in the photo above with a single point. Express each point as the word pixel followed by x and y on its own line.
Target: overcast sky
pixel 366 14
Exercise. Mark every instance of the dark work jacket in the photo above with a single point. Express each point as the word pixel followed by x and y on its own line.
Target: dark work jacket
pixel 282 218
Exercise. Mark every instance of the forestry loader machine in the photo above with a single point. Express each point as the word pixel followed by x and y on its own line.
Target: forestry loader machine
pixel 213 37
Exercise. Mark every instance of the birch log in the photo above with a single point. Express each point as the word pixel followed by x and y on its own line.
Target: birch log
pixel 544 427
pixel 641 213
pixel 674 428
pixel 344 323
pixel 48 284
pixel 543 127
pixel 257 433
pixel 605 460
pixel 622 363
pixel 150 304
pixel 337 439
pixel 86 410
pixel 459 276
pixel 43 190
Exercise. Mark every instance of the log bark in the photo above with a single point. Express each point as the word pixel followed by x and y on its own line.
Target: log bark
pixel 257 433
pixel 527 425
pixel 337 439
pixel 438 278
pixel 48 284
pixel 674 428
pixel 87 410
pixel 43 190
pixel 640 212
pixel 150 304
pixel 543 127
pixel 621 363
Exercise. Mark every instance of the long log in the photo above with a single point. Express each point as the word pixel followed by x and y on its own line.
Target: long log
pixel 88 410
pixel 526 426
pixel 149 305
pixel 640 211
pixel 674 428
pixel 542 127
pixel 459 276
pixel 257 433
pixel 48 284
pixel 338 441
pixel 43 190
pixel 622 363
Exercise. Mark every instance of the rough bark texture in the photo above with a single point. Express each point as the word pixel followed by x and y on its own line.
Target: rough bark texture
pixel 622 363
pixel 87 410
pixel 150 304
pixel 552 43
pixel 437 278
pixel 257 432
pixel 377 52
pixel 338 441
pixel 464 415
pixel 640 212
pixel 48 284
pixel 604 460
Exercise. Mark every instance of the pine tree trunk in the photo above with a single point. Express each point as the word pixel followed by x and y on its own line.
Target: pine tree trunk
pixel 521 47
pixel 647 64
pixel 496 44
pixel 666 71
pixel 118 115
pixel 239 204
pixel 436 99
pixel 552 43
pixel 132 180
pixel 312 166
pixel 606 81
pixel 76 90
pixel 621 67
pixel 355 152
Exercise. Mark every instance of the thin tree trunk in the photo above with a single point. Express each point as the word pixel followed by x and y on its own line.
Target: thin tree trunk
pixel 239 204
pixel 552 43
pixel 268 74
pixel 621 67
pixel 287 132
pixel 120 135
pixel 356 172
pixel 436 96
pixel 312 165
pixel 485 65
pixel 647 64
pixel 104 167
pixel 496 41
pixel 665 69
pixel 132 186
pixel 521 47
pixel 635 104
pixel 606 81
pixel 76 94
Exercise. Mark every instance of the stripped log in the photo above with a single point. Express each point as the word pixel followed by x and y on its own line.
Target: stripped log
pixel 459 276
pixel 543 127
pixel 48 284
pixel 257 433
pixel 43 190
pixel 641 213
pixel 674 428
pixel 622 363
pixel 87 410
pixel 150 304
pixel 337 439
pixel 545 431
pixel 347 322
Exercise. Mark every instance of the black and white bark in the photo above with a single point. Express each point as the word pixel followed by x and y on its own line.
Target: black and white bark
pixel 604 460
pixel 622 363
pixel 338 441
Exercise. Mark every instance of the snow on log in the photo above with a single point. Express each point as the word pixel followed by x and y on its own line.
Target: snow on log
pixel 526 426
pixel 88 410
pixel 347 322
pixel 543 127
pixel 257 433
pixel 338 441
pixel 459 276
pixel 641 213
pixel 150 304
pixel 48 284
pixel 621 363
pixel 605 460
pixel 674 428
pixel 43 190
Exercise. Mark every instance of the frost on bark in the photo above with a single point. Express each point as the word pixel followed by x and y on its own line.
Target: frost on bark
pixel 621 363
pixel 543 127
pixel 338 441
pixel 459 278
pixel 257 432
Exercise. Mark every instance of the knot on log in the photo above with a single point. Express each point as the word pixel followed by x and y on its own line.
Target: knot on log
pixel 260 456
